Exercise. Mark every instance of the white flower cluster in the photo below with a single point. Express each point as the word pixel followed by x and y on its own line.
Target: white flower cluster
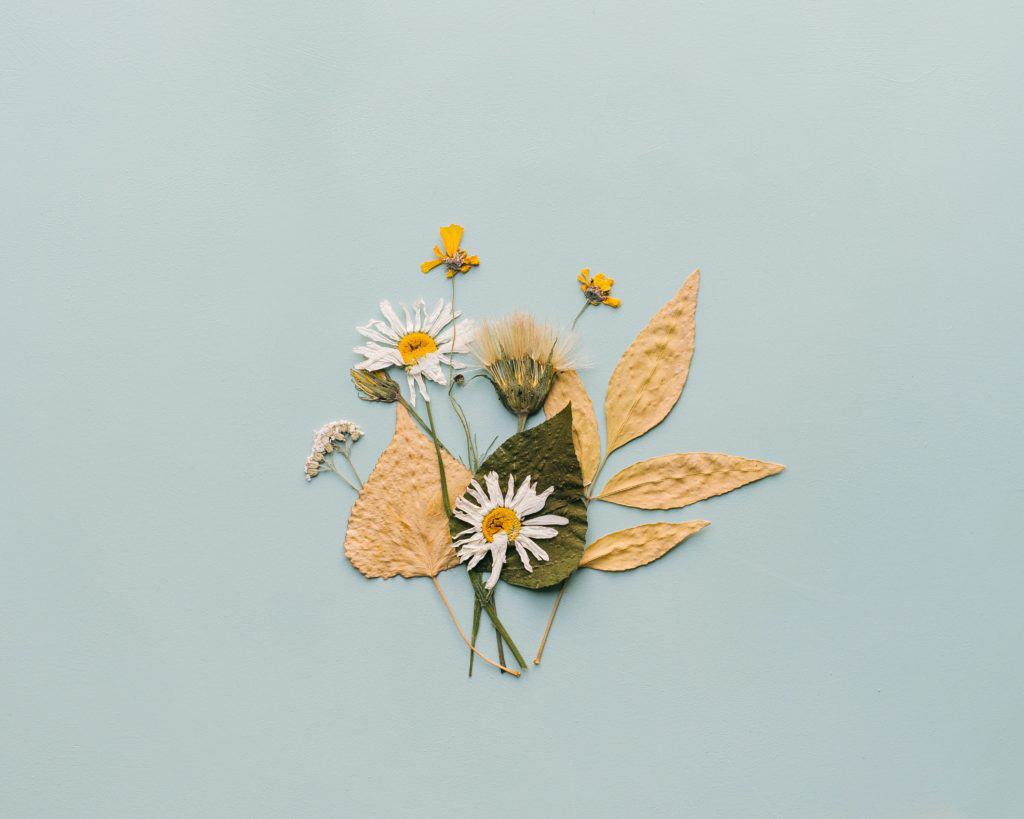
pixel 324 439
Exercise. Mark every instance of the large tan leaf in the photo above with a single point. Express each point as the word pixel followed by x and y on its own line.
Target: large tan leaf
pixel 398 524
pixel 638 546
pixel 649 377
pixel 569 388
pixel 671 481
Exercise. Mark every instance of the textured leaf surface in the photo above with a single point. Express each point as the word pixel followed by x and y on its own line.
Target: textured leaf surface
pixel 630 548
pixel 671 481
pixel 547 455
pixel 568 389
pixel 398 524
pixel 649 377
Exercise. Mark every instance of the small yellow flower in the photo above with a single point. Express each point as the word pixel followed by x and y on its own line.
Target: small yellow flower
pixel 597 290
pixel 455 258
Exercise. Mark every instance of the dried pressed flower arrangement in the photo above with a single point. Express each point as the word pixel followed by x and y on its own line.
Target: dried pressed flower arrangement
pixel 519 514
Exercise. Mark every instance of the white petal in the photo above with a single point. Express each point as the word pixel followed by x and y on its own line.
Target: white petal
pixel 525 492
pixel 442 319
pixel 428 322
pixel 408 320
pixel 498 549
pixel 533 548
pixel 534 504
pixel 542 532
pixel 510 492
pixel 412 387
pixel 494 488
pixel 524 557
pixel 371 332
pixel 546 520
pixel 392 317
pixel 418 307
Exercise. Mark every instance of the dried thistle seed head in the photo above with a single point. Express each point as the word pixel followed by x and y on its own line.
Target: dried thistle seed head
pixel 375 385
pixel 522 357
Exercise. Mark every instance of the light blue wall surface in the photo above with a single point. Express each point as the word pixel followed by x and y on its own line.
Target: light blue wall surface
pixel 202 199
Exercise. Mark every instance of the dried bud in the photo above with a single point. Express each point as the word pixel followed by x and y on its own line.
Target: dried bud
pixel 376 385
pixel 460 379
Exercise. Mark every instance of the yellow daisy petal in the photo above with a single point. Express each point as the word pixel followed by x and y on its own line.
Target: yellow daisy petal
pixel 426 267
pixel 602 282
pixel 612 302
pixel 450 237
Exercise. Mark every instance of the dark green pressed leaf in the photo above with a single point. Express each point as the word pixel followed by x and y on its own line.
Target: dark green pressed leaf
pixel 545 453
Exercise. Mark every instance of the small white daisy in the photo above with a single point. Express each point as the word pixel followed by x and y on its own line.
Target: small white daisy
pixel 420 344
pixel 497 520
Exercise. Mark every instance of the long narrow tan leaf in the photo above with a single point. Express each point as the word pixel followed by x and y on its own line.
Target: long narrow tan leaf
pixel 671 481
pixel 398 524
pixel 630 548
pixel 649 377
pixel 569 388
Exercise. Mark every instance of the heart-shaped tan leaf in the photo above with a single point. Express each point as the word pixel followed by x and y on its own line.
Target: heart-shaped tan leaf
pixel 630 548
pixel 671 481
pixel 569 388
pixel 649 377
pixel 398 524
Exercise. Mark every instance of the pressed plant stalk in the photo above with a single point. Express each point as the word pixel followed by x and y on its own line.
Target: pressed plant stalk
pixel 551 619
pixel 492 613
pixel 478 588
pixel 465 639
pixel 476 630
pixel 561 591
pixel 470 449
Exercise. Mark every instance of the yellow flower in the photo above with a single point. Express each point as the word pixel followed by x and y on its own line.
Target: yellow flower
pixel 597 290
pixel 454 257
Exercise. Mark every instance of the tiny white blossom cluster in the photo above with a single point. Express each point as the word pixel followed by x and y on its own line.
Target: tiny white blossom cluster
pixel 324 440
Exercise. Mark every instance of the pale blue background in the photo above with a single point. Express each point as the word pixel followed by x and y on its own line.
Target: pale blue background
pixel 202 198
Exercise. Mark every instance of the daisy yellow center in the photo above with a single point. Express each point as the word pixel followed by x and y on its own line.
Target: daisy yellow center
pixel 414 346
pixel 501 519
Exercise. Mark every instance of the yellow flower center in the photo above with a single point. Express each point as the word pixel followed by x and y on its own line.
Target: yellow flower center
pixel 501 519
pixel 414 346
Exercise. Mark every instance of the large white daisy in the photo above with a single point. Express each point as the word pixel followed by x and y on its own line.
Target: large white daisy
pixel 497 519
pixel 420 344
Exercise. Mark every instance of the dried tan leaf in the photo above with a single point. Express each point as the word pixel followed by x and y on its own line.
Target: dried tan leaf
pixel 649 377
pixel 398 524
pixel 671 481
pixel 569 388
pixel 638 546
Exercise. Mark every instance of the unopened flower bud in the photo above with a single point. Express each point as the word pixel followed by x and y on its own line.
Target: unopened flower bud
pixel 376 385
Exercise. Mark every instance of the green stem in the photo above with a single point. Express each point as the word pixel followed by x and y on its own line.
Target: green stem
pixel 352 466
pixel 412 411
pixel 492 613
pixel 586 304
pixel 440 464
pixel 476 630
pixel 334 469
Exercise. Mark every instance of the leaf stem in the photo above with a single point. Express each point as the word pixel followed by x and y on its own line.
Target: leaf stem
pixel 476 630
pixel 440 464
pixel 551 619
pixel 465 639
pixel 521 423
pixel 579 315
pixel 492 613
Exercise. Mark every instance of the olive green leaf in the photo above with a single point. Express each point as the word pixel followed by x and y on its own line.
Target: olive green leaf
pixel 546 454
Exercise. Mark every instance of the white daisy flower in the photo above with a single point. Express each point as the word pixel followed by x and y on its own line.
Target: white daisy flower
pixel 420 344
pixel 496 520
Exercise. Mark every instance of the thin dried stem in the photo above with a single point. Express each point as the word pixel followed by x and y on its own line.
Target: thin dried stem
pixel 465 639
pixel 551 619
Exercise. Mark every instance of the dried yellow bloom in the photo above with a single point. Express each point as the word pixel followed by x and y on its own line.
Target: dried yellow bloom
pixel 597 290
pixel 454 257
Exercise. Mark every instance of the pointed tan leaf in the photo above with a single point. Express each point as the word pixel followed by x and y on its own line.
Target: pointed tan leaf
pixel 630 548
pixel 649 377
pixel 398 524
pixel 671 481
pixel 569 388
